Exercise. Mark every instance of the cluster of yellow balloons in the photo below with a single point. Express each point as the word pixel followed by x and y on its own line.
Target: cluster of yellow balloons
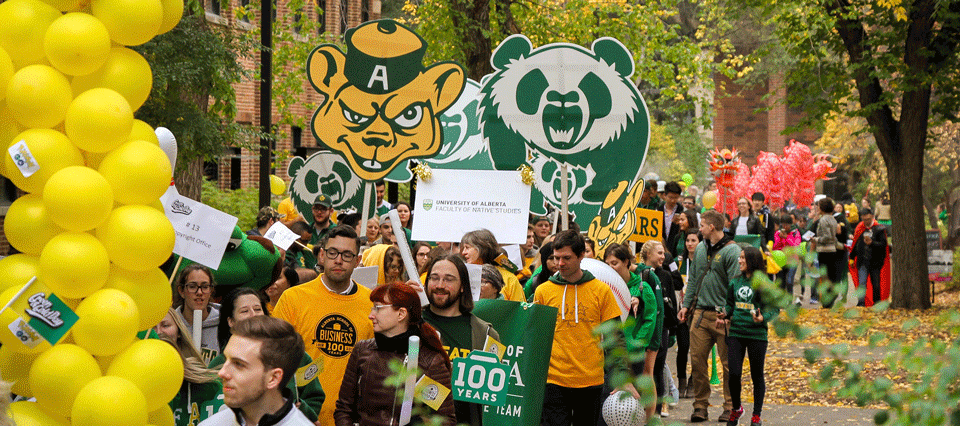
pixel 90 226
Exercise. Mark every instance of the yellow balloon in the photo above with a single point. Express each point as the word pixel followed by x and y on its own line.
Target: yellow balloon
pixel 130 22
pixel 125 71
pixel 139 172
pixel 6 71
pixel 161 417
pixel 77 44
pixel 16 270
pixel 108 322
pixel 58 374
pixel 29 413
pixel 172 12
pixel 154 366
pixel 15 367
pixel 98 120
pixel 277 185
pixel 109 400
pixel 709 199
pixel 38 96
pixel 78 198
pixel 27 226
pixel 50 149
pixel 74 264
pixel 149 289
pixel 143 132
pixel 138 238
pixel 24 24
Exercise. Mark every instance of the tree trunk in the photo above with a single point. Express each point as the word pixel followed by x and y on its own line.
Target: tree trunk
pixel 189 178
pixel 931 212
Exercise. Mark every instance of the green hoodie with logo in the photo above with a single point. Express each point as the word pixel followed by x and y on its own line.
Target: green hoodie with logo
pixel 744 296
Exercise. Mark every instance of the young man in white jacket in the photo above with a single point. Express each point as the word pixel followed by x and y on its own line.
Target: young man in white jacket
pixel 261 357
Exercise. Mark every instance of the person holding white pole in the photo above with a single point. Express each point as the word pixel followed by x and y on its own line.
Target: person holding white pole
pixel 195 287
pixel 365 397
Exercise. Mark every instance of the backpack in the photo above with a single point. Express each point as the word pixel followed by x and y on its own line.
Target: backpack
pixel 669 308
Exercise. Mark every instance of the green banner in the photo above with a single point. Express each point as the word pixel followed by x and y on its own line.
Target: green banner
pixel 527 332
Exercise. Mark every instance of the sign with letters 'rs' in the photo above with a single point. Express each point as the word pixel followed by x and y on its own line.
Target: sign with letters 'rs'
pixel 649 226
pixel 480 378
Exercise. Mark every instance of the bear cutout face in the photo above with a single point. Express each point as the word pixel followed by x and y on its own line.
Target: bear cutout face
pixel 463 146
pixel 381 105
pixel 323 173
pixel 561 105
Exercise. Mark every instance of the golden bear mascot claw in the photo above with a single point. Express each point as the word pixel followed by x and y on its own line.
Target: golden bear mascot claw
pixel 381 105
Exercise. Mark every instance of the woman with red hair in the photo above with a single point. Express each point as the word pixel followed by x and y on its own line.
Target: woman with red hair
pixel 365 397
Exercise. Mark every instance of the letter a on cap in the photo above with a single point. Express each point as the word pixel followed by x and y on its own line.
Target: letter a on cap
pixel 379 74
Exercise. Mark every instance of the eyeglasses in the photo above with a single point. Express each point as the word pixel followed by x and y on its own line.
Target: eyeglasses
pixel 347 256
pixel 320 208
pixel 193 288
pixel 376 308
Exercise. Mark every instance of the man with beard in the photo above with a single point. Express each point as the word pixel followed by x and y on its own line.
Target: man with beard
pixel 330 312
pixel 261 357
pixel 451 304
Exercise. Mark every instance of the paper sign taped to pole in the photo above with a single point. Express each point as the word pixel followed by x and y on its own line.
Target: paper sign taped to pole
pixel 202 232
pixel 454 202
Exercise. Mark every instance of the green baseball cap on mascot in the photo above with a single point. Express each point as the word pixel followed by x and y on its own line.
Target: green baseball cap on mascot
pixel 377 64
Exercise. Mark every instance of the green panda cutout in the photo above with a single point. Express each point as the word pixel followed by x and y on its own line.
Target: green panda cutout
pixel 324 173
pixel 562 103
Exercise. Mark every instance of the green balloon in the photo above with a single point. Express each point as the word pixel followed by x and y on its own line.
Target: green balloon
pixel 779 257
pixel 687 178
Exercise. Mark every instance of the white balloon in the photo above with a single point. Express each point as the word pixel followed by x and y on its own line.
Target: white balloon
pixel 605 273
pixel 168 143
pixel 622 409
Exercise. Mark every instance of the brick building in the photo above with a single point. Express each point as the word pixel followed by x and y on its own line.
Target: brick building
pixel 239 168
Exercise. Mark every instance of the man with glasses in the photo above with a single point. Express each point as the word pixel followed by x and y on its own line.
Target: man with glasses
pixel 330 312
pixel 451 307
pixel 322 208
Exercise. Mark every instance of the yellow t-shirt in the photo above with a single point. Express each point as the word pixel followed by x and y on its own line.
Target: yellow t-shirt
pixel 512 290
pixel 331 324
pixel 577 359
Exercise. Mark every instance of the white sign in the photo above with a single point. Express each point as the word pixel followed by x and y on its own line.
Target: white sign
pixel 23 158
pixel 366 276
pixel 455 202
pixel 475 272
pixel 202 231
pixel 281 236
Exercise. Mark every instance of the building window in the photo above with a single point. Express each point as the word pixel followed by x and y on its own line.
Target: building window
pixel 212 7
pixel 364 10
pixel 235 170
pixel 321 17
pixel 297 17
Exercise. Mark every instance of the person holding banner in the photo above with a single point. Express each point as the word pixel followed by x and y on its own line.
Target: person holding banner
pixel 575 378
pixel 364 397
pixel 480 247
pixel 195 287
pixel 330 312
pixel 450 312
pixel 246 302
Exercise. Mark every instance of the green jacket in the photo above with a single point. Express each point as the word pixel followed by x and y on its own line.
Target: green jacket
pixel 195 402
pixel 710 273
pixel 309 395
pixel 742 297
pixel 641 329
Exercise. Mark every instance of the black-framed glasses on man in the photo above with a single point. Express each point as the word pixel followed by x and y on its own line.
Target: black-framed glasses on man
pixel 332 253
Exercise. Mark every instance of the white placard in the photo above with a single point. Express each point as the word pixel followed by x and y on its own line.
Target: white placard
pixel 513 253
pixel 23 158
pixel 281 236
pixel 475 272
pixel 202 232
pixel 454 202
pixel 366 276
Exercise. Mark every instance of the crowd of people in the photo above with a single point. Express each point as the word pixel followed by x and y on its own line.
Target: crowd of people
pixel 315 347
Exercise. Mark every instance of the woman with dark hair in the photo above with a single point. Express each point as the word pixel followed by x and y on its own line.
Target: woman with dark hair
pixel 406 215
pixel 827 246
pixel 421 255
pixel 480 247
pixel 244 303
pixel 365 398
pixel 691 237
pixel 686 220
pixel 746 222
pixel 195 285
pixel 747 316
pixel 288 278
pixel 547 267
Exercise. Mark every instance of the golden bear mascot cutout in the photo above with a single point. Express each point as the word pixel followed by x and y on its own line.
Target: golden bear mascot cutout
pixel 381 105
